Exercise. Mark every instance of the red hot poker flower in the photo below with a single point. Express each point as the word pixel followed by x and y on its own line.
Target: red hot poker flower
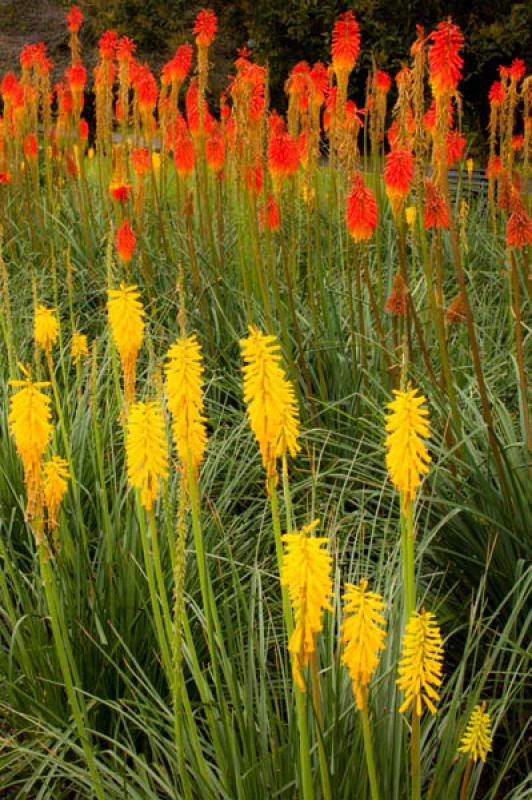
pixel 283 155
pixel 125 242
pixel 383 81
pixel 434 211
pixel 397 299
pixel 519 227
pixel 178 67
pixel 140 160
pixel 215 149
pixel 107 45
pixel 205 27
pixel 496 94
pixel 184 156
pixel 120 191
pixel 74 19
pixel 455 147
pixel 517 69
pixel 361 213
pixel 30 146
pixel 272 219
pixel 345 43
pixel 398 175
pixel 445 61
pixel 76 76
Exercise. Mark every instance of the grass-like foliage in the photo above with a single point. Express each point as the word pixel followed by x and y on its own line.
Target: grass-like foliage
pixel 284 580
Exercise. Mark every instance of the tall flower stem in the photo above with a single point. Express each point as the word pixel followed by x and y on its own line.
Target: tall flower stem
pixel 307 790
pixel 416 772
pixel 368 749
pixel 316 701
pixel 177 642
pixel 408 559
pixel 65 657
pixel 464 789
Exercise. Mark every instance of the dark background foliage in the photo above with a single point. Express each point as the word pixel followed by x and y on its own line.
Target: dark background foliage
pixel 285 32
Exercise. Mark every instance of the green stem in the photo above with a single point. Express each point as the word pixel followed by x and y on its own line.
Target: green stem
pixel 407 555
pixel 416 774
pixel 368 748
pixel 464 789
pixel 307 789
pixel 65 657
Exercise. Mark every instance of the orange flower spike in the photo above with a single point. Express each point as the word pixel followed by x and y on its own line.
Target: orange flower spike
pixel 398 176
pixel 205 27
pixel 74 19
pixel 519 226
pixel 283 154
pixel 496 94
pixel 361 212
pixel 345 43
pixel 456 313
pixel 140 161
pixel 215 149
pixel 184 156
pixel 397 299
pixel 383 82
pixel 435 210
pixel 272 219
pixel 125 242
pixel 445 61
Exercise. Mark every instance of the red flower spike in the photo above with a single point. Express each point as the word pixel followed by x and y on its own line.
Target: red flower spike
pixel 76 77
pixel 383 82
pixel 345 42
pixel 272 219
pixel 215 149
pixel 396 302
pixel 205 27
pixel 517 69
pixel 74 19
pixel 30 146
pixel 435 210
pixel 455 147
pixel 445 62
pixel 496 94
pixel 140 161
pixel 107 45
pixel 120 191
pixel 125 242
pixel 184 156
pixel 519 226
pixel 398 174
pixel 361 212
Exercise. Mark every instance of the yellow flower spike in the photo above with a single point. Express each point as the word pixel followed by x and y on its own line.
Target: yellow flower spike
pixel 306 572
pixel 30 426
pixel 184 379
pixel 420 667
pixel 477 739
pixel 90 153
pixel 55 485
pixel 126 317
pixel 363 634
pixel 79 347
pixel 45 328
pixel 410 214
pixel 407 425
pixel 470 164
pixel 270 398
pixel 146 450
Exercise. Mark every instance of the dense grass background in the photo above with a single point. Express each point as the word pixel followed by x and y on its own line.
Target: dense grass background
pixel 474 540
